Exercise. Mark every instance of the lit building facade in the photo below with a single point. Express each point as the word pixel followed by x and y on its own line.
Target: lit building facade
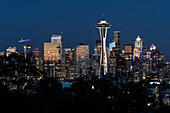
pixel 155 60
pixel 97 48
pixel 128 56
pixel 112 66
pixel 128 51
pixel 56 39
pixel 115 54
pixel 139 43
pixel 69 62
pixel 37 58
pixel 96 58
pixel 82 59
pixel 117 39
pixel 27 52
pixel 145 63
pixel 53 57
pixel 120 65
pixel 112 45
pixel 52 51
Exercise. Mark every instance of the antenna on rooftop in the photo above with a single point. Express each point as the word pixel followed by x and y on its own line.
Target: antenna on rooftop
pixel 103 15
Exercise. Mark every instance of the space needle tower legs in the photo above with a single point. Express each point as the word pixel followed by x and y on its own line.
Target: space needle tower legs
pixel 103 26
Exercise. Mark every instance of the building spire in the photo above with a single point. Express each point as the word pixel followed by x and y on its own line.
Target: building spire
pixel 102 15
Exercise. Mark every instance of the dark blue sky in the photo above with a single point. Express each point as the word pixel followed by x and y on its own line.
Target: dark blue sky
pixel 38 19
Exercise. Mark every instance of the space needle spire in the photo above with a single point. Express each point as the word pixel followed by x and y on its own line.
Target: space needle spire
pixel 103 26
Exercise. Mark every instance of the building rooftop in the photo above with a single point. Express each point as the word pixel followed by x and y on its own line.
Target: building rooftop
pixel 138 39
pixel 56 35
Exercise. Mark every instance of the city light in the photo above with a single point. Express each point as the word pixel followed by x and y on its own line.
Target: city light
pixel 108 77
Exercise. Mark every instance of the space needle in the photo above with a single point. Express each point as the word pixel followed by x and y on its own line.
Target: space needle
pixel 103 26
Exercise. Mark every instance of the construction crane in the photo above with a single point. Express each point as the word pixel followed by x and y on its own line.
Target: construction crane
pixel 22 41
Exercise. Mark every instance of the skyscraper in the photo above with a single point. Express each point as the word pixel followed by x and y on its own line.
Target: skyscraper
pixel 27 52
pixel 56 39
pixel 155 59
pixel 82 59
pixel 128 51
pixel 97 48
pixel 112 66
pixel 96 57
pixel 53 50
pixel 117 41
pixel 103 26
pixel 37 59
pixel 53 57
pixel 27 49
pixel 139 43
pixel 69 62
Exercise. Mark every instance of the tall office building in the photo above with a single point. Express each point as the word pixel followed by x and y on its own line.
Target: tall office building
pixel 128 52
pixel 128 56
pixel 27 52
pixel 56 39
pixel 103 26
pixel 137 61
pixel 145 63
pixel 139 43
pixel 155 59
pixel 128 48
pixel 27 49
pixel 117 40
pixel 108 56
pixel 112 66
pixel 53 50
pixel 53 57
pixel 37 58
pixel 69 68
pixel 115 51
pixel 96 57
pixel 82 59
pixel 120 65
pixel 97 48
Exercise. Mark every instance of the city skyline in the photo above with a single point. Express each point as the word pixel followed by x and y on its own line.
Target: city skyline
pixel 38 20
pixel 84 56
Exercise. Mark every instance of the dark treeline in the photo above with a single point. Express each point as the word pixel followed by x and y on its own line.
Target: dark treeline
pixel 85 96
